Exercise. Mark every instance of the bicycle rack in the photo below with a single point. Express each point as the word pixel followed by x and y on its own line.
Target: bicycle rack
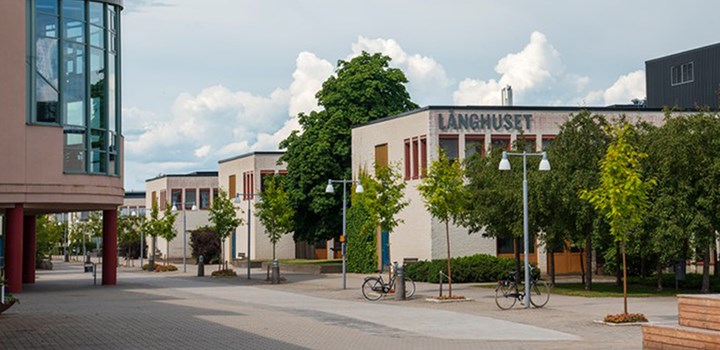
pixel 441 274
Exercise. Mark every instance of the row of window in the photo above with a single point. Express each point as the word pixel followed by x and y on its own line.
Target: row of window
pixel 133 210
pixel 187 197
pixel 416 149
pixel 248 183
pixel 684 73
pixel 72 79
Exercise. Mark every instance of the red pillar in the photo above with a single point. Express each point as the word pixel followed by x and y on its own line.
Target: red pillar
pixel 29 242
pixel 109 263
pixel 14 248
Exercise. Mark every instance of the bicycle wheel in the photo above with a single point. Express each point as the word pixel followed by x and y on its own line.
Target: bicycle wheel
pixel 505 295
pixel 409 288
pixel 539 294
pixel 372 289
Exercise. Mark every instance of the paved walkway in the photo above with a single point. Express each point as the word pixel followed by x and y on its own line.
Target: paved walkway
pixel 179 311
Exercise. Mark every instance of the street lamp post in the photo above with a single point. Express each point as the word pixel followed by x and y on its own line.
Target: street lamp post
pixel 238 200
pixel 330 189
pixel 174 208
pixel 544 166
pixel 65 243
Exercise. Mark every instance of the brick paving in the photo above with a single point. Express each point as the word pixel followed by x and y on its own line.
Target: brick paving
pixel 63 310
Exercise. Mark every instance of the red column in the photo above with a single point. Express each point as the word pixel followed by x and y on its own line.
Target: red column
pixel 29 242
pixel 109 263
pixel 14 248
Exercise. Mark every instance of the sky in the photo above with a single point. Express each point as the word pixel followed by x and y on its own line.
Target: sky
pixel 205 80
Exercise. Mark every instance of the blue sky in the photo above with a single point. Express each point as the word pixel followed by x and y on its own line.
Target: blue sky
pixel 211 79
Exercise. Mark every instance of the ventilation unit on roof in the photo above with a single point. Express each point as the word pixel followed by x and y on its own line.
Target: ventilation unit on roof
pixel 507 98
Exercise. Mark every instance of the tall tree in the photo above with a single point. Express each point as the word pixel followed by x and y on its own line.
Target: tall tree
pixel 576 153
pixel 363 89
pixel 622 194
pixel 224 218
pixel 274 210
pixel 443 193
pixel 49 236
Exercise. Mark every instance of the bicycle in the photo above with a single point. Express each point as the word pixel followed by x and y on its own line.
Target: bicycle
pixel 509 291
pixel 375 288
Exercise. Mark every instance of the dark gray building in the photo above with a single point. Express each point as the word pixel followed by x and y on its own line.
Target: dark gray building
pixel 688 79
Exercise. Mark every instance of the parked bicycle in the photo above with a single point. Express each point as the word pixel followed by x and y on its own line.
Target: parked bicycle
pixel 509 291
pixel 375 288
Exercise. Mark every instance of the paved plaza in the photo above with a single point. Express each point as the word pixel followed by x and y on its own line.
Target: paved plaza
pixel 63 310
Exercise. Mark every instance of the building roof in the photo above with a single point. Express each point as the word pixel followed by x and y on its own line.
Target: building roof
pixel 193 174
pixel 256 153
pixel 614 108
pixel 134 194
pixel 691 51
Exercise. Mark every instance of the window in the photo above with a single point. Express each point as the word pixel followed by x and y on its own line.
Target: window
pixel 204 198
pixel 153 199
pixel 474 144
pixel 500 142
pixel 381 155
pixel 546 141
pixel 415 158
pixel 141 211
pixel 190 198
pixel 163 200
pixel 423 156
pixel 248 185
pixel 72 80
pixel 265 176
pixel 505 245
pixel 176 198
pixel 449 145
pixel 407 159
pixel 527 143
pixel 684 73
pixel 232 189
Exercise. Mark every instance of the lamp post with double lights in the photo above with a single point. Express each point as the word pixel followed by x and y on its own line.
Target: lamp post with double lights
pixel 544 166
pixel 329 189
pixel 238 200
pixel 193 208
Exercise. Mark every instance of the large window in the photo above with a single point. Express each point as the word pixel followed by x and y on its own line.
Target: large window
pixel 204 198
pixel 449 144
pixel 176 198
pixel 190 198
pixel 681 74
pixel 73 79
pixel 474 144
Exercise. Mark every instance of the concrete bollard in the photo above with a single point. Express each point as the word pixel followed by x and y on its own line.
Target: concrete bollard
pixel 400 283
pixel 275 272
pixel 201 266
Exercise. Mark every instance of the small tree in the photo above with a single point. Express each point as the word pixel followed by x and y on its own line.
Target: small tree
pixel 442 191
pixel 390 200
pixel 274 210
pixel 224 219
pixel 622 194
pixel 152 227
pixel 167 229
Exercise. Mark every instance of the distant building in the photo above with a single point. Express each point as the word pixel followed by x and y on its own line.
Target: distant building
pixel 185 192
pixel 60 115
pixel 413 140
pixel 243 177
pixel 689 79
pixel 133 204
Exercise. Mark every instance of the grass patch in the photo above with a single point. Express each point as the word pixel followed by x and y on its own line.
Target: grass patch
pixel 603 290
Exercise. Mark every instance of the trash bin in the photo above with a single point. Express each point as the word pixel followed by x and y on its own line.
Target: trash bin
pixel 201 266
pixel 88 267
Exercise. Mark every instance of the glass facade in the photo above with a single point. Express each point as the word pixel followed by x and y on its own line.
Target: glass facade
pixel 73 79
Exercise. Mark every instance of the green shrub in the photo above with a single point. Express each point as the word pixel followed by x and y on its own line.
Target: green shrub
pixel 475 268
pixel 225 273
pixel 161 268
pixel 692 281
pixel 361 242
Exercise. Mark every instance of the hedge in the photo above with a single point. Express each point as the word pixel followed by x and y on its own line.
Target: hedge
pixel 475 268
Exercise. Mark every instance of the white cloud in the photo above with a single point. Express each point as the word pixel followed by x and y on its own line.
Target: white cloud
pixel 536 70
pixel 626 88
pixel 202 151
pixel 309 74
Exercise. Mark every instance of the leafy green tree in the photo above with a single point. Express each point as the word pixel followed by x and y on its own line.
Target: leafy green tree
pixel 163 227
pixel 576 153
pixel 622 194
pixel 390 196
pixel 167 229
pixel 129 229
pixel 363 89
pixel 223 217
pixel 494 202
pixel 443 193
pixel 274 210
pixel 49 236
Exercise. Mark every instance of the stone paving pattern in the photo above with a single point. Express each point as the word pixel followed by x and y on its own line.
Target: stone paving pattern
pixel 63 310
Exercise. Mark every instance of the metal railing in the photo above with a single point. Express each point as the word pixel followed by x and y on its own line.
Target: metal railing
pixel 441 274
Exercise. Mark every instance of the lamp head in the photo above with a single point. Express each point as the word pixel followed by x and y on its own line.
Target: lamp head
pixel 174 207
pixel 133 213
pixel 544 163
pixel 504 162
pixel 359 188
pixel 329 188
pixel 194 207
pixel 237 198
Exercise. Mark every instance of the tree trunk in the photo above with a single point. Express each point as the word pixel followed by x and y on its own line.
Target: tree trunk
pixel 624 268
pixel 447 236
pixel 582 266
pixel 659 275
pixel 618 265
pixel 222 254
pixel 588 259
pixel 552 268
pixel 167 251
pixel 274 252
pixel 706 271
